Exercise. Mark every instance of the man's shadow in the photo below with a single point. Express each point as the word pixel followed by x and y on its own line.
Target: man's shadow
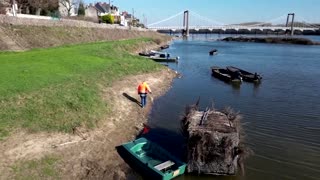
pixel 131 98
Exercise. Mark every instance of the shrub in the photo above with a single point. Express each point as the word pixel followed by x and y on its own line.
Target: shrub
pixel 109 19
pixel 2 10
pixel 157 41
pixel 81 10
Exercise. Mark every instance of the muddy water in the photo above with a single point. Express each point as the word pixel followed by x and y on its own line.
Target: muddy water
pixel 281 116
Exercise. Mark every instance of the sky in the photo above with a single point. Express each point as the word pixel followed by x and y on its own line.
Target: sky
pixel 225 11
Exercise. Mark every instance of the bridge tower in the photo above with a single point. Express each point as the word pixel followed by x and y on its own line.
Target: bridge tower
pixel 185 31
pixel 292 22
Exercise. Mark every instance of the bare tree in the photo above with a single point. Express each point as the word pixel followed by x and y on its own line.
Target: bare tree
pixel 32 6
pixel 39 5
pixel 69 5
pixel 45 5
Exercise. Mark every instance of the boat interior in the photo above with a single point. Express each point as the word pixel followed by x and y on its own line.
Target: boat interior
pixel 156 157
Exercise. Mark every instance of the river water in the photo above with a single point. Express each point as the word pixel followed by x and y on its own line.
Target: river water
pixel 281 116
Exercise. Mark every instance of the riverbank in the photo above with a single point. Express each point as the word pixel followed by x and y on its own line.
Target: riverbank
pixel 273 40
pixel 25 37
pixel 87 90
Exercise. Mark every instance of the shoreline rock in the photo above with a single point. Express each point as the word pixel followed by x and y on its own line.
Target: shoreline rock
pixel 272 40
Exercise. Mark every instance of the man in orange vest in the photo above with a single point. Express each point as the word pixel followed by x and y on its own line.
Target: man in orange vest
pixel 143 90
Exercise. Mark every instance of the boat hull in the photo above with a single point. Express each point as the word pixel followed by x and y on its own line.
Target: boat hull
pixel 213 52
pixel 223 75
pixel 159 59
pixel 246 76
pixel 148 163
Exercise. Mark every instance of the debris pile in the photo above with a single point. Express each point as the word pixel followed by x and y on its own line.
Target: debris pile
pixel 214 145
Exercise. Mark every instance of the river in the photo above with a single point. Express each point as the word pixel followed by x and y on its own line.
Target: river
pixel 281 116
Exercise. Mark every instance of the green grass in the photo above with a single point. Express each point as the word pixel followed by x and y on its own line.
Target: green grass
pixel 44 168
pixel 59 88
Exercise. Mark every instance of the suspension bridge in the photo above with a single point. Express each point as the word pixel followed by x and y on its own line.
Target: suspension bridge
pixel 186 21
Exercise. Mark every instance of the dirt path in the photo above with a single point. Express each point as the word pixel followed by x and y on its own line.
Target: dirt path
pixel 91 154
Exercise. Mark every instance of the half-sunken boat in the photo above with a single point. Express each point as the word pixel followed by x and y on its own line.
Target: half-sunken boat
pixel 151 160
pixel 223 74
pixel 213 52
pixel 164 46
pixel 246 76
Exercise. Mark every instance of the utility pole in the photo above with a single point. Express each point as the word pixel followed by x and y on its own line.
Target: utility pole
pixel 292 22
pixel 144 20
pixel 132 20
pixel 14 10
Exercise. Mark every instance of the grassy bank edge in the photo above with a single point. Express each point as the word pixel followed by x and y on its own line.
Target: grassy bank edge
pixel 73 99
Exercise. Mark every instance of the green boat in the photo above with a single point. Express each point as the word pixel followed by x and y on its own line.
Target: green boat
pixel 151 160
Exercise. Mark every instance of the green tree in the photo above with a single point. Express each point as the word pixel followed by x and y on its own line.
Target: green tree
pixel 109 19
pixel 81 10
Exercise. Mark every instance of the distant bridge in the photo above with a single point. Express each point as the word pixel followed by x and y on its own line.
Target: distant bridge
pixel 230 27
pixel 200 23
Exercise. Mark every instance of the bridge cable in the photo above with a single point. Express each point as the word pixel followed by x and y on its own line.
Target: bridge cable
pixel 306 23
pixel 269 21
pixel 207 19
pixel 171 17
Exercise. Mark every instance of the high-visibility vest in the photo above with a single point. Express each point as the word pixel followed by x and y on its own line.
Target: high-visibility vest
pixel 143 88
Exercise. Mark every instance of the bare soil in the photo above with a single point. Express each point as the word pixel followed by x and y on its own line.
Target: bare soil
pixel 91 154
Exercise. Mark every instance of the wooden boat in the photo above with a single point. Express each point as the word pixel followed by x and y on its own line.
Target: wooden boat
pixel 246 76
pixel 158 53
pixel 148 54
pixel 151 160
pixel 164 47
pixel 164 59
pixel 223 74
pixel 213 52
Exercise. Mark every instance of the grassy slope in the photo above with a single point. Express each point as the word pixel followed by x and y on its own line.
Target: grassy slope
pixel 29 37
pixel 59 88
pixel 44 168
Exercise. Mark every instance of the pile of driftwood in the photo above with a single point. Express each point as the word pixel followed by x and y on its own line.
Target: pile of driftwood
pixel 213 141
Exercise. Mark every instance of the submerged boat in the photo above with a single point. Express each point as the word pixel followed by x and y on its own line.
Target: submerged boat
pixel 223 74
pixel 151 160
pixel 213 52
pixel 246 76
pixel 164 46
